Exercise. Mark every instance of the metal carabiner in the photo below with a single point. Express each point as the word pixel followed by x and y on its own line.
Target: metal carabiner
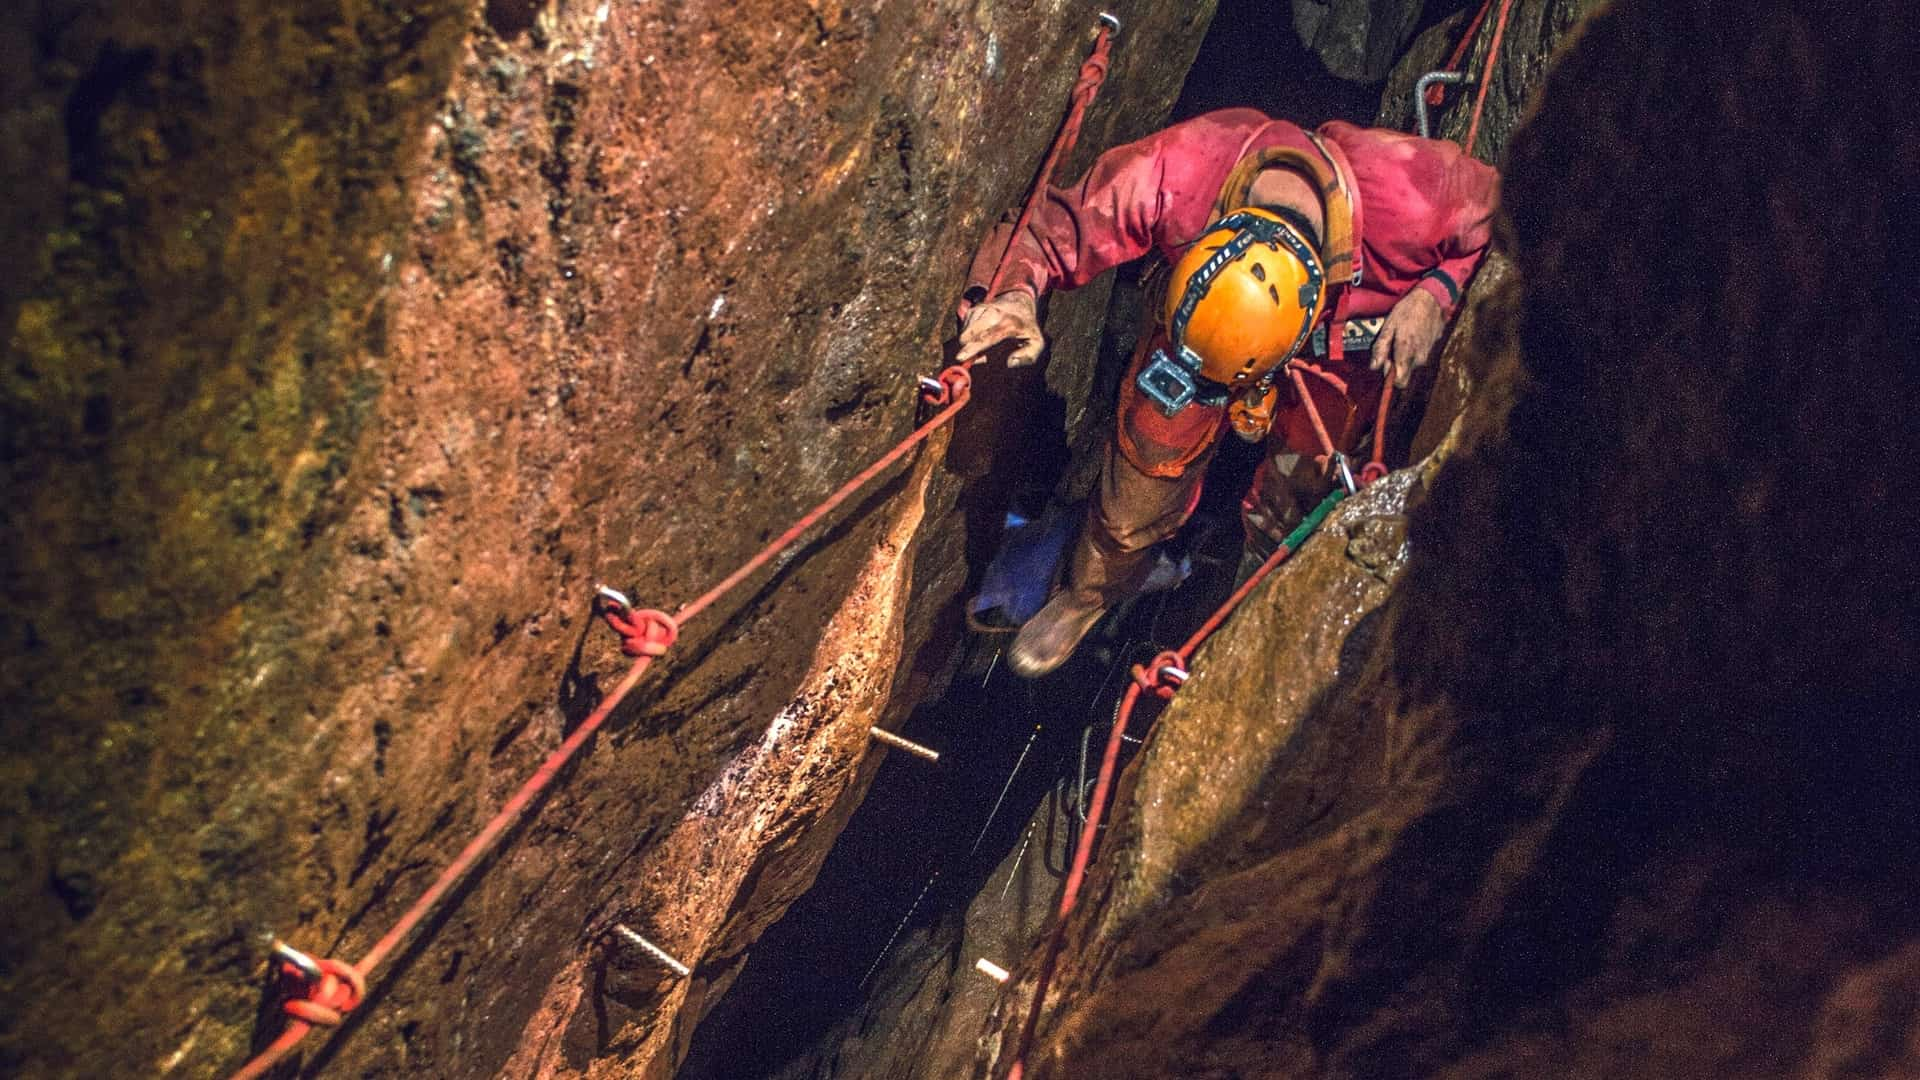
pixel 1345 473
pixel 307 966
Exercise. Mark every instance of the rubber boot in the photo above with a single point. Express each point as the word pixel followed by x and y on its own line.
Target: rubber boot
pixel 1131 510
pixel 1099 575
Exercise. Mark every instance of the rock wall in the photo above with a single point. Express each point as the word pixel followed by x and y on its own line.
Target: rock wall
pixel 1602 764
pixel 1357 40
pixel 1534 31
pixel 349 343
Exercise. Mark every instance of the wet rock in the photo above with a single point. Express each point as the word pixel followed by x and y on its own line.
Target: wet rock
pixel 1379 543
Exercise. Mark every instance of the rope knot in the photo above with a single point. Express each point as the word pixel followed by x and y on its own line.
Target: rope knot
pixel 1162 675
pixel 1092 73
pixel 329 989
pixel 1374 471
pixel 1308 367
pixel 643 631
pixel 954 384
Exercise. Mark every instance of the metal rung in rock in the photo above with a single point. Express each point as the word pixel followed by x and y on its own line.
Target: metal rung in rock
pixel 653 950
pixel 914 748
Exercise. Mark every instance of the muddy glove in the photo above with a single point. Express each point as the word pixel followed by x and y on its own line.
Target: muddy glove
pixel 1408 336
pixel 1011 316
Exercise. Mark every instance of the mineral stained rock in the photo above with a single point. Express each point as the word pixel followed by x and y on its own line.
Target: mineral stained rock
pixel 348 345
pixel 1595 758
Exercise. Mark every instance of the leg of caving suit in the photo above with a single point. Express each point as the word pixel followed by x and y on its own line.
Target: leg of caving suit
pixel 1148 487
pixel 1294 477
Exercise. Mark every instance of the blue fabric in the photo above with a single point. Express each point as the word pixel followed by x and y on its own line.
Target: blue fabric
pixel 1018 580
pixel 1021 574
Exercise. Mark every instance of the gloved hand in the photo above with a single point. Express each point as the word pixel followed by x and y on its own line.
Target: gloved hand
pixel 1408 336
pixel 1011 316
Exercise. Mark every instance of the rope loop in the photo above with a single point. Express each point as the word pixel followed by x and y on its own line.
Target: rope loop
pixel 1374 471
pixel 1320 373
pixel 1092 73
pixel 1163 675
pixel 324 1001
pixel 643 632
pixel 954 384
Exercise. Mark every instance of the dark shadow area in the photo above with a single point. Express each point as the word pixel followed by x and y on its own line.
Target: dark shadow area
pixel 927 837
pixel 1252 57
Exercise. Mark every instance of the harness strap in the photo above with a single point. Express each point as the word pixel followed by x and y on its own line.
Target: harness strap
pixel 1339 247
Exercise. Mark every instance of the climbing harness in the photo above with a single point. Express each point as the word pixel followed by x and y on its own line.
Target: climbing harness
pixel 321 992
pixel 1162 676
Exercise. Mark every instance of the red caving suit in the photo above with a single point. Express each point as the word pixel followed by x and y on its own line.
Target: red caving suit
pixel 1421 214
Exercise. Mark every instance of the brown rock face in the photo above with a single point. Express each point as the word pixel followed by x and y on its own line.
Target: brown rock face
pixel 1533 31
pixel 1612 776
pixel 348 345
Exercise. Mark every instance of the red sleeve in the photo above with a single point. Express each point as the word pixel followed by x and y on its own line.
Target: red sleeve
pixel 1470 193
pixel 1156 192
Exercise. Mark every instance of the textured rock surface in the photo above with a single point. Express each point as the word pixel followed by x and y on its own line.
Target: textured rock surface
pixel 1534 30
pixel 1616 781
pixel 349 343
pixel 1356 39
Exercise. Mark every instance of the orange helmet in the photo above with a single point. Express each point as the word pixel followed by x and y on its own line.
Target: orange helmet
pixel 1241 301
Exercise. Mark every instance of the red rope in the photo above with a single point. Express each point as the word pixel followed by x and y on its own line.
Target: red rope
pixel 645 635
pixel 1295 368
pixel 1161 676
pixel 1437 94
pixel 1486 73
pixel 1093 72
pixel 1377 468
